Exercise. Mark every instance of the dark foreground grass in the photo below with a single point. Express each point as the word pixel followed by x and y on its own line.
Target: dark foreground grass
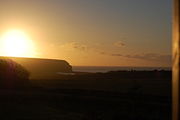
pixel 90 97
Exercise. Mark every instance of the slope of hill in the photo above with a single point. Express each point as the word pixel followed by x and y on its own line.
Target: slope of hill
pixel 42 68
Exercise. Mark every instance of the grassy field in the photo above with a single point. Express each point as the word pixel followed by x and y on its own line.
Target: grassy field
pixel 99 96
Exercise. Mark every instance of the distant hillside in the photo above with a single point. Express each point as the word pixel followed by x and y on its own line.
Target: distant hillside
pixel 43 68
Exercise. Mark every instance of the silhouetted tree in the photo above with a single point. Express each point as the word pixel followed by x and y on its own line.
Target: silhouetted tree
pixel 12 74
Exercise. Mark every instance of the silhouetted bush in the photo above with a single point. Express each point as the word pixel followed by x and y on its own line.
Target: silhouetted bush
pixel 12 74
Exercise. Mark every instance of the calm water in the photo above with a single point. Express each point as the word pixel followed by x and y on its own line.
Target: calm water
pixel 106 69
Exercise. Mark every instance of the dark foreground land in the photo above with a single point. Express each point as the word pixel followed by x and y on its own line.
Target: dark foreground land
pixel 123 95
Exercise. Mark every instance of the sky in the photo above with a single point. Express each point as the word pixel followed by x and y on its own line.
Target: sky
pixel 94 32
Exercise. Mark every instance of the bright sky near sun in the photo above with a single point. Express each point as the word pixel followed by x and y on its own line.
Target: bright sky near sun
pixel 88 32
pixel 16 43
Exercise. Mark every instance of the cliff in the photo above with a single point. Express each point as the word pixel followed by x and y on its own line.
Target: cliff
pixel 43 68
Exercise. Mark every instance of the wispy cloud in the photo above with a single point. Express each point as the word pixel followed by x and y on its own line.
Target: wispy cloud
pixel 165 58
pixel 148 56
pixel 119 44
pixel 79 46
pixel 74 45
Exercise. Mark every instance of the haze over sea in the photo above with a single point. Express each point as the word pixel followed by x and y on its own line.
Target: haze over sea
pixel 95 69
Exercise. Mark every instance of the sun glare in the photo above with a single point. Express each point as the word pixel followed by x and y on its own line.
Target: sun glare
pixel 17 44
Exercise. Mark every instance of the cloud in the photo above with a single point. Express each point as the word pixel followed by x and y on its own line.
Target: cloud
pixel 74 45
pixel 148 56
pixel 165 58
pixel 78 46
pixel 119 44
pixel 102 53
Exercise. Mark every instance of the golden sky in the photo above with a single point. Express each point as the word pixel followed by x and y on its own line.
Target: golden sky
pixel 91 32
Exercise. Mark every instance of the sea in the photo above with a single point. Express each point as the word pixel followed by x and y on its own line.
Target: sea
pixel 103 69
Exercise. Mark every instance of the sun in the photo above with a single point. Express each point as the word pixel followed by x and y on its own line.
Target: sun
pixel 17 44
